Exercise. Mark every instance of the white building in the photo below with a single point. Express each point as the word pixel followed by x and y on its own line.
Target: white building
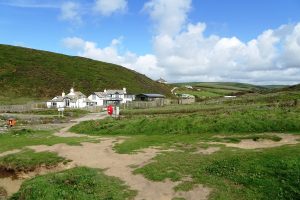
pixel 71 100
pixel 161 80
pixel 108 97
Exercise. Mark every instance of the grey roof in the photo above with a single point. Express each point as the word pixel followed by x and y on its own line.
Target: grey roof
pixel 57 99
pixel 76 95
pixel 100 94
pixel 152 95
pixel 115 91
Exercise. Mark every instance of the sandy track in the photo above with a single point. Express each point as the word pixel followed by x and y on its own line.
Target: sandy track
pixel 92 116
pixel 101 155
pixel 286 139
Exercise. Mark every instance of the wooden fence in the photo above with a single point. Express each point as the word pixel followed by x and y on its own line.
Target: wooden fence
pixel 22 108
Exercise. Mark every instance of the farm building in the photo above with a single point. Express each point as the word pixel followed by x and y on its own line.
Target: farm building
pixel 149 97
pixel 71 100
pixel 108 97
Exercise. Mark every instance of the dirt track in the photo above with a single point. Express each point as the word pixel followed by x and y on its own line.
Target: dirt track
pixel 101 155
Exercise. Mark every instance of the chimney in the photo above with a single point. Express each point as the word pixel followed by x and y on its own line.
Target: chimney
pixel 72 90
pixel 63 94
pixel 124 89
pixel 104 90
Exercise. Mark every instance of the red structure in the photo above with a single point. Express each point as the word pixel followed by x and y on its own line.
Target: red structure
pixel 11 122
pixel 110 109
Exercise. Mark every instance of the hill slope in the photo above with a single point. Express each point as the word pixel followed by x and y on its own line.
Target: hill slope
pixel 35 73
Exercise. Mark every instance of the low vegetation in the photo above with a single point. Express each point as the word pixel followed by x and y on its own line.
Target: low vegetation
pixel 28 161
pixel 76 183
pixel 244 174
pixel 18 139
pixel 228 122
pixel 74 113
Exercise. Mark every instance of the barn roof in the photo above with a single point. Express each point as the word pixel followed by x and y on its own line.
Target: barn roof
pixel 152 95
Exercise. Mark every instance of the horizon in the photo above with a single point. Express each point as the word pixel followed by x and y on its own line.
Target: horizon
pixel 179 40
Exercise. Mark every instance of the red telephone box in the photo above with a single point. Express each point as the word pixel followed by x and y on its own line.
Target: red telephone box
pixel 110 109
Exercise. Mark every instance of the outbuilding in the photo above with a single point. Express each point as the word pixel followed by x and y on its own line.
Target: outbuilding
pixel 149 97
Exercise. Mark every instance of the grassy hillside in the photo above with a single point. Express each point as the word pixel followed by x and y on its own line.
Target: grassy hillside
pixel 204 90
pixel 38 74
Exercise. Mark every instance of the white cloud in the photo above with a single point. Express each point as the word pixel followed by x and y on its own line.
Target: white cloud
pixel 146 64
pixel 108 7
pixel 183 52
pixel 169 15
pixel 190 56
pixel 271 58
pixel 70 11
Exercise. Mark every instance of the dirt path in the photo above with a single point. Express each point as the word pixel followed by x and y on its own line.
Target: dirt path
pixel 101 155
pixel 286 139
pixel 92 116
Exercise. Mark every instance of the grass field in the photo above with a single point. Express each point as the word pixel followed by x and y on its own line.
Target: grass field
pixel 77 183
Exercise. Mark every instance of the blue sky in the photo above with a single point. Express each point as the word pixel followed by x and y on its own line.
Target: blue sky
pixel 151 36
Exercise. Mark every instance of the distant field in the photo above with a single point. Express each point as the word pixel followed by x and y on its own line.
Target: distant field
pixel 215 89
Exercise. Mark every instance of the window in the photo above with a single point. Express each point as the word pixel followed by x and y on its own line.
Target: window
pixel 94 97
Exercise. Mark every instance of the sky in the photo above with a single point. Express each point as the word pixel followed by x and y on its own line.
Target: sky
pixel 250 41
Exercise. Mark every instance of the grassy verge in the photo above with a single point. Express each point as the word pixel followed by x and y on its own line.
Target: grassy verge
pixel 78 183
pixel 28 161
pixel 269 174
pixel 227 122
pixel 19 139
pixel 67 113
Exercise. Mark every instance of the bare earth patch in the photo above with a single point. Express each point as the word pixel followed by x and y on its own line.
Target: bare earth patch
pixel 12 183
pixel 10 152
pixel 286 139
pixel 209 150
pixel 101 155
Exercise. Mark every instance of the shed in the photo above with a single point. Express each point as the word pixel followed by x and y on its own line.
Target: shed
pixel 149 97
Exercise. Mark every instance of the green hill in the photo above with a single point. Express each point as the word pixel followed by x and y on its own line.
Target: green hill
pixel 40 74
pixel 204 90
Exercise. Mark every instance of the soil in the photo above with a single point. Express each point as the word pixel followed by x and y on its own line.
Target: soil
pixel 207 151
pixel 12 182
pixel 286 139
pixel 101 155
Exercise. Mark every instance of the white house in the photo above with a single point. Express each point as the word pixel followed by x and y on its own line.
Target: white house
pixel 108 97
pixel 161 80
pixel 71 100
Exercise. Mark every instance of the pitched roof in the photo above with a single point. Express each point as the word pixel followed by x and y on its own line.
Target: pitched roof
pixel 76 95
pixel 100 94
pixel 57 99
pixel 152 95
pixel 115 91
